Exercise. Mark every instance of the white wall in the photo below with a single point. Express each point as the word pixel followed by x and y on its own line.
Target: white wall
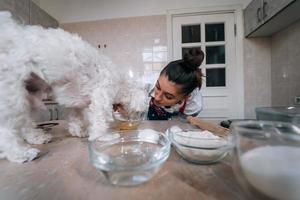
pixel 66 11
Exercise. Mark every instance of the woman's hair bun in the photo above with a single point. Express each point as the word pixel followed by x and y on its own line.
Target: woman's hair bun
pixel 193 58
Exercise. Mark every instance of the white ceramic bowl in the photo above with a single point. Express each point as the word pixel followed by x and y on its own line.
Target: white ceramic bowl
pixel 129 157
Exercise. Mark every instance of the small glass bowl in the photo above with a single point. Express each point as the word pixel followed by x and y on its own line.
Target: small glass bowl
pixel 129 157
pixel 199 149
pixel 125 121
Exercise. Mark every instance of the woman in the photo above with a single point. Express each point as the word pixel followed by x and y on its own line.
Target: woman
pixel 177 89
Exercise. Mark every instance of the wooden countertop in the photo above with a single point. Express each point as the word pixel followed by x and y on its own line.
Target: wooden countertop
pixel 63 172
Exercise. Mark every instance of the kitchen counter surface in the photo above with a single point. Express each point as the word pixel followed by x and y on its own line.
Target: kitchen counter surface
pixel 63 172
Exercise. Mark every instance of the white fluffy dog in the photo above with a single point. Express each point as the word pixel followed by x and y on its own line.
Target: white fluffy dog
pixel 35 61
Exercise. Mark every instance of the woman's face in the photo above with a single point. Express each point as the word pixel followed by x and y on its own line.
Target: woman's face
pixel 166 92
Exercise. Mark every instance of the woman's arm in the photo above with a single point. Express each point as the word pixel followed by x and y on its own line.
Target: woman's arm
pixel 194 104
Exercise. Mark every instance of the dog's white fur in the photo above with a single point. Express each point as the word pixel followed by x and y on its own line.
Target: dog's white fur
pixel 63 65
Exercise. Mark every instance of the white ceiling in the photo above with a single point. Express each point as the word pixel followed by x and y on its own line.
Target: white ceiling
pixel 66 11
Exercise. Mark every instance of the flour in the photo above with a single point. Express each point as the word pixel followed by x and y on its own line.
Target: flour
pixel 197 145
pixel 196 138
pixel 274 171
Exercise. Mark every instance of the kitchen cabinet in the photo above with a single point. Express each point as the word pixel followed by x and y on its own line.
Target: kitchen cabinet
pixel 266 17
pixel 272 7
pixel 252 16
pixel 27 12
pixel 39 17
pixel 19 9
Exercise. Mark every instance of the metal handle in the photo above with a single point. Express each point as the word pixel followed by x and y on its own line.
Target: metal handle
pixel 264 10
pixel 51 114
pixel 56 110
pixel 258 12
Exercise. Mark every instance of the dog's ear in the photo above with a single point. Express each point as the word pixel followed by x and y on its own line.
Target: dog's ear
pixel 36 84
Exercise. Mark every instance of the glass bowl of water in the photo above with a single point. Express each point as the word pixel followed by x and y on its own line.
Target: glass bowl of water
pixel 267 159
pixel 129 158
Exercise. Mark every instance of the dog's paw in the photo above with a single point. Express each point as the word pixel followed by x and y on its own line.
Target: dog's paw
pixel 31 154
pixel 41 139
pixel 77 130
pixel 38 137
pixel 21 157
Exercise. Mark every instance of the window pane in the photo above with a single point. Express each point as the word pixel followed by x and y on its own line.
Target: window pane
pixel 214 32
pixel 186 49
pixel 191 33
pixel 215 54
pixel 215 77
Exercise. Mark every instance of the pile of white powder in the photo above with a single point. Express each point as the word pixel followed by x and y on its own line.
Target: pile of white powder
pixel 274 171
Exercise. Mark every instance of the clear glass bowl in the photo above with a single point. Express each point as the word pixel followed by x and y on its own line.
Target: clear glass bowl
pixel 128 121
pixel 129 157
pixel 198 148
pixel 281 113
pixel 266 160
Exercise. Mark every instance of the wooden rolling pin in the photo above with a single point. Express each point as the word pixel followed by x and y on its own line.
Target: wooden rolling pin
pixel 205 125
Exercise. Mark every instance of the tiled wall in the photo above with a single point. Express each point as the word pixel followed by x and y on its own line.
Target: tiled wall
pixel 257 74
pixel 139 43
pixel 286 65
